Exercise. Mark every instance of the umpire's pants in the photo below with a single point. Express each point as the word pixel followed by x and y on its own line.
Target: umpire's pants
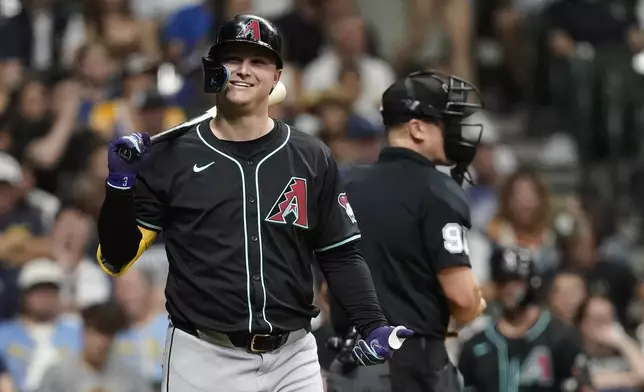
pixel 422 365
pixel 358 378
pixel 194 365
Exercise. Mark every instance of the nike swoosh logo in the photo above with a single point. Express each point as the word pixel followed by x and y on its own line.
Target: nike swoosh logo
pixel 197 169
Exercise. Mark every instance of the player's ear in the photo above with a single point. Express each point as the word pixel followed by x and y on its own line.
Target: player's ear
pixel 277 77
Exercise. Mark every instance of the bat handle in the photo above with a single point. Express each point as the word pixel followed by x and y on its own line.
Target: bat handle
pixel 394 341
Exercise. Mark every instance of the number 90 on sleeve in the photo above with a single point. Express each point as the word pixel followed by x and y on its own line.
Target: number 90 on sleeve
pixel 455 239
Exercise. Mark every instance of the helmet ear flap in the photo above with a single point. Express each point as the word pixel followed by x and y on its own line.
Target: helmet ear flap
pixel 215 76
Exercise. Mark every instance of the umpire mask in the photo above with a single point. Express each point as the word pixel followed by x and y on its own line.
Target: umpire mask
pixel 445 99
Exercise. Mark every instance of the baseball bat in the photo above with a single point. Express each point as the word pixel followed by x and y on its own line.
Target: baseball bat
pixel 277 95
pixel 394 341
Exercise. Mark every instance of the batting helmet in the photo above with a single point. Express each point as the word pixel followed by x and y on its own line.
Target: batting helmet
pixel 516 264
pixel 244 28
pixel 434 96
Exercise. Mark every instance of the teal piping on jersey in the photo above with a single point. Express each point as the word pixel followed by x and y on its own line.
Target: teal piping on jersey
pixel 259 220
pixel 259 226
pixel 149 225
pixel 188 123
pixel 243 183
pixel 505 383
pixel 345 241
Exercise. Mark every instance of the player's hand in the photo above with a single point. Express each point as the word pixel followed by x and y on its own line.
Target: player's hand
pixel 124 159
pixel 379 346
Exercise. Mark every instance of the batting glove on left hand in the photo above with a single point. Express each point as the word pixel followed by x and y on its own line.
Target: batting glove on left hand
pixel 377 348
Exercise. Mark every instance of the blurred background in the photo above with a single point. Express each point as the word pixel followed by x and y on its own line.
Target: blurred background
pixel 559 170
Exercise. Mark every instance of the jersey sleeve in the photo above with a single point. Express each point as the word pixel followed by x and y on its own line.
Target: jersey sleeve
pixel 445 232
pixel 151 192
pixel 337 223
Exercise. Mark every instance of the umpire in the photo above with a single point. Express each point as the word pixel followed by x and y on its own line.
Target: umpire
pixel 245 204
pixel 414 222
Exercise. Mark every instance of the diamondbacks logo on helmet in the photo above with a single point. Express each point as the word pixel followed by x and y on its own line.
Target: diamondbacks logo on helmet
pixel 292 201
pixel 250 30
pixel 343 200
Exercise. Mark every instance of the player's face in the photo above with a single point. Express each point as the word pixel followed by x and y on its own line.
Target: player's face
pixel 253 73
pixel 511 293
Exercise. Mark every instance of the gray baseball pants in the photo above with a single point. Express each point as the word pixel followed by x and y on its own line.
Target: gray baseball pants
pixel 191 364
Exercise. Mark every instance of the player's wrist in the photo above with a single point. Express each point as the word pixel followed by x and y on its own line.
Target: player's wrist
pixel 122 181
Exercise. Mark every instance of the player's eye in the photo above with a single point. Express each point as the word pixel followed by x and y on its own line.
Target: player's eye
pixel 259 61
pixel 233 59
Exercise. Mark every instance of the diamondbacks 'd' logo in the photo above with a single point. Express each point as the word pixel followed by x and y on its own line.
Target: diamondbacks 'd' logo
pixel 537 368
pixel 250 30
pixel 343 200
pixel 292 201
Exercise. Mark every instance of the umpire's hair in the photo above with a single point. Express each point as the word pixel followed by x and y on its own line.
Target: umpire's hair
pixel 107 318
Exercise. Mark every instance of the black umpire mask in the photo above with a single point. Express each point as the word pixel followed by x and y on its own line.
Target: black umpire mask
pixel 446 99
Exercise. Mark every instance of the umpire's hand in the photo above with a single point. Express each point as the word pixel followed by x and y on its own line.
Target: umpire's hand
pixel 380 345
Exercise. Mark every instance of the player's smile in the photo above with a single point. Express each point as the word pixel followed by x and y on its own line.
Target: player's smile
pixel 240 84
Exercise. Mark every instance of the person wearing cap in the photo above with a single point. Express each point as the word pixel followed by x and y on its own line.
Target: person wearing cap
pixel 415 221
pixel 39 337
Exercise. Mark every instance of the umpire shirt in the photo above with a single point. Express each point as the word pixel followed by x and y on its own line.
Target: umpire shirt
pixel 242 224
pixel 414 221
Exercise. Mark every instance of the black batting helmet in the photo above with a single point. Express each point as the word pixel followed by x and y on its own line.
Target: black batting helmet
pixel 437 97
pixel 243 28
pixel 516 264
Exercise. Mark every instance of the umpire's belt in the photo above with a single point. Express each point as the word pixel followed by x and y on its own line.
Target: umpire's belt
pixel 256 343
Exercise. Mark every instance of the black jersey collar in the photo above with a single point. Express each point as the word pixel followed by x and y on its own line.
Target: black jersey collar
pixel 255 145
pixel 389 154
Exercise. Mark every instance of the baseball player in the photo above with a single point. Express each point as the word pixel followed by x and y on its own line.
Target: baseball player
pixel 415 219
pixel 245 204
pixel 526 349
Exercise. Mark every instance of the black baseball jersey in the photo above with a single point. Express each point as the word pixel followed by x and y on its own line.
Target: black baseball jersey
pixel 242 222
pixel 548 358
pixel 414 222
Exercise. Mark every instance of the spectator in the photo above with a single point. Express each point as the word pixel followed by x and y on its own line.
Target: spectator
pixel 96 369
pixel 40 127
pixel 21 227
pixel 349 46
pixel 492 163
pixel 36 30
pixel 616 362
pixel 616 281
pixel 141 343
pixel 39 337
pixel 6 383
pixel 127 114
pixel 84 283
pixel 112 22
pixel 566 294
pixel 95 68
pixel 524 218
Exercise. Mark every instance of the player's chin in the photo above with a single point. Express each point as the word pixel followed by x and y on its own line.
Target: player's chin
pixel 244 96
